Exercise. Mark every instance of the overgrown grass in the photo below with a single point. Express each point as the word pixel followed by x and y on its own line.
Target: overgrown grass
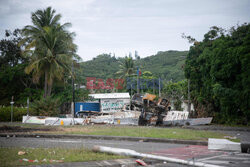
pixel 137 131
pixel 10 157
pixel 133 131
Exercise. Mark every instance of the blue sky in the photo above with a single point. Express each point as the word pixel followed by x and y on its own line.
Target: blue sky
pixel 123 26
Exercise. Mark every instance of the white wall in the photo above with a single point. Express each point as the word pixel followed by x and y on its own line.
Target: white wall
pixel 113 105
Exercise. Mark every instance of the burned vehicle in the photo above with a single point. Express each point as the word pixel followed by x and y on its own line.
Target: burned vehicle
pixel 152 112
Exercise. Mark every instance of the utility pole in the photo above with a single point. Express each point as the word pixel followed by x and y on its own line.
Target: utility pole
pixel 189 105
pixel 73 90
pixel 159 87
pixel 131 90
pixel 12 102
pixel 153 86
pixel 28 102
pixel 138 80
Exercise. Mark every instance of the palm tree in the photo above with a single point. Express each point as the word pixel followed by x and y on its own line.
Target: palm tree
pixel 127 68
pixel 51 47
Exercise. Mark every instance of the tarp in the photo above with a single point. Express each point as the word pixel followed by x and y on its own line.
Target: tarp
pixel 34 119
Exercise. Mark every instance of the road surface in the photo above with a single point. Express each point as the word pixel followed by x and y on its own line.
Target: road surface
pixel 181 151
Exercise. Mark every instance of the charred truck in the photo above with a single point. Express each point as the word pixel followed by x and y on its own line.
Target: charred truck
pixel 152 112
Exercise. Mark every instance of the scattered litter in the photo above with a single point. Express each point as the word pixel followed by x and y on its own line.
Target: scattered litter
pixel 141 162
pixel 44 160
pixel 52 160
pixel 21 153
pixel 230 137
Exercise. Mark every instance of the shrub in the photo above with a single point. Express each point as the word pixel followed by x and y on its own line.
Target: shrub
pixel 18 112
pixel 46 107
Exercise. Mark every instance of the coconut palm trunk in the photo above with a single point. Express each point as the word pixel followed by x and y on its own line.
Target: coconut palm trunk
pixel 50 84
pixel 45 83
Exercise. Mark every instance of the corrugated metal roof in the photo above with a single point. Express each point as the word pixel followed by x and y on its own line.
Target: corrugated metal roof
pixel 110 96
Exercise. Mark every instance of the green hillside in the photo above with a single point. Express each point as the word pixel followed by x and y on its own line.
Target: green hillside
pixel 167 65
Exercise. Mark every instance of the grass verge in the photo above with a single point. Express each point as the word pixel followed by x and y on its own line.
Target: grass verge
pixel 137 131
pixel 10 157
pixel 112 130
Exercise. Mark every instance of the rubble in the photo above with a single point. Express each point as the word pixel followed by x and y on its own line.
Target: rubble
pixel 142 110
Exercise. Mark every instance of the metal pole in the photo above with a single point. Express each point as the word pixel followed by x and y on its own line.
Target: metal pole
pixel 189 105
pixel 73 89
pixel 28 102
pixel 133 153
pixel 131 90
pixel 138 81
pixel 12 102
pixel 159 87
pixel 154 86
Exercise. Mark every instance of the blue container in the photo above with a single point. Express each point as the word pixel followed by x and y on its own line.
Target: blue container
pixel 87 106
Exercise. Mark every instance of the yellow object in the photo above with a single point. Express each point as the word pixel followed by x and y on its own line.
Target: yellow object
pixel 150 97
pixel 118 121
pixel 62 123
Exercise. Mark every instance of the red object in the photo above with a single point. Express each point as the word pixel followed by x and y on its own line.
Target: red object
pixel 141 162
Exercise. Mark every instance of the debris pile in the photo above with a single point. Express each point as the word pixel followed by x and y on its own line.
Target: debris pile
pixel 142 110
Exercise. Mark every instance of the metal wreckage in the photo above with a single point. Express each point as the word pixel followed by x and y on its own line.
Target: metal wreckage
pixel 152 111
pixel 142 110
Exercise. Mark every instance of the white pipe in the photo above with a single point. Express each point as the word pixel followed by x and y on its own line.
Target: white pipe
pixel 128 152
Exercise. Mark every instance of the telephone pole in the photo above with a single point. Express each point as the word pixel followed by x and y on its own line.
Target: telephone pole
pixel 189 104
pixel 73 90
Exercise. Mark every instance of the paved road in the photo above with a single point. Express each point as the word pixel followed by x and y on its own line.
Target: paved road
pixel 243 133
pixel 86 143
pixel 186 152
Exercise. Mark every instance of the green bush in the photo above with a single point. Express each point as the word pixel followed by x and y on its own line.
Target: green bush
pixel 46 107
pixel 18 112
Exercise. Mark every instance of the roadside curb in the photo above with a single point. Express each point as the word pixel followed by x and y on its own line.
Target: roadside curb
pixel 241 129
pixel 111 163
pixel 102 137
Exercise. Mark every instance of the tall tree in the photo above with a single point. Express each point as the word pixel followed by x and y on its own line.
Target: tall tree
pixel 127 67
pixel 13 80
pixel 50 47
pixel 218 69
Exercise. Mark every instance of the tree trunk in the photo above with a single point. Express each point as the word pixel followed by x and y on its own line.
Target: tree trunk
pixel 50 88
pixel 45 84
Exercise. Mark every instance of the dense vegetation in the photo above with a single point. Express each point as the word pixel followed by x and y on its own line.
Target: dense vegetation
pixel 167 65
pixel 13 80
pixel 36 62
pixel 218 69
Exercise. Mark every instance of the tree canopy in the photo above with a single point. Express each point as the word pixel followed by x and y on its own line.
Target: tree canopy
pixel 50 47
pixel 218 69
